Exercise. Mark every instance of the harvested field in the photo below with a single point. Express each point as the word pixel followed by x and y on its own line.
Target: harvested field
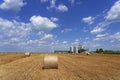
pixel 70 67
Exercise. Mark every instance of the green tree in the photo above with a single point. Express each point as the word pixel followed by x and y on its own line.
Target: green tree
pixel 100 50
pixel 97 51
pixel 81 50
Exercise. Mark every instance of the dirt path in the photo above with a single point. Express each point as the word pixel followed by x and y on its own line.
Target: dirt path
pixel 70 67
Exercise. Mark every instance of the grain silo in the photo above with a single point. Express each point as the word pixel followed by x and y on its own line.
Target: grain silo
pixel 71 49
pixel 76 49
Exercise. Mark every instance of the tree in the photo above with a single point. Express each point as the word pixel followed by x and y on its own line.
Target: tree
pixel 81 50
pixel 97 51
pixel 100 50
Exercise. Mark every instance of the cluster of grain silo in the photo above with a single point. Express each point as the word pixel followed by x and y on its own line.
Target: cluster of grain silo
pixel 74 49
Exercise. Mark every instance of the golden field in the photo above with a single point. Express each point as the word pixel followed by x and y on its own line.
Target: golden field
pixel 17 66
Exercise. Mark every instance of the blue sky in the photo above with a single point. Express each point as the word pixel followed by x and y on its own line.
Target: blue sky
pixel 48 25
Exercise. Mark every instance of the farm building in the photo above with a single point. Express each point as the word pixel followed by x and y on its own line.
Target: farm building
pixel 73 49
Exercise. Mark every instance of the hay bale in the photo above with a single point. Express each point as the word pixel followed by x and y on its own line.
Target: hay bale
pixel 27 54
pixel 50 62
pixel 87 53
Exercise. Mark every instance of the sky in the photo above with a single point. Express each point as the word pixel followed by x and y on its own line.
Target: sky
pixel 48 25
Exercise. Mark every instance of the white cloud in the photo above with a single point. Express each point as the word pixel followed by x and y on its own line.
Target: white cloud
pixel 66 30
pixel 44 0
pixel 107 37
pixel 42 23
pixel 116 36
pixel 114 13
pixel 101 35
pixel 20 36
pixel 104 41
pixel 88 20
pixel 101 27
pixel 76 40
pixel 47 37
pixel 44 36
pixel 41 33
pixel 97 30
pixel 72 2
pixel 96 39
pixel 14 5
pixel 62 8
pixel 14 28
pixel 52 4
pixel 64 42
pixel 54 19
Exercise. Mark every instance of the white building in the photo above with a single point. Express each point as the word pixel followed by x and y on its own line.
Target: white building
pixel 74 49
pixel 71 49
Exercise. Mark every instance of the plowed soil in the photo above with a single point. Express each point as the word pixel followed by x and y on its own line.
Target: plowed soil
pixel 17 66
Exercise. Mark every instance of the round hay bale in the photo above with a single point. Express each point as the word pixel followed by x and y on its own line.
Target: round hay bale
pixel 50 62
pixel 27 54
pixel 87 53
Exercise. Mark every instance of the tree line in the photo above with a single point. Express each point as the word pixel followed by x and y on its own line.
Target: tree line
pixel 101 51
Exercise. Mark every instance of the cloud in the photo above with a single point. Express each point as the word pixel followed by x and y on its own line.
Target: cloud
pixel 97 30
pixel 115 36
pixel 62 8
pixel 44 0
pixel 114 13
pixel 20 36
pixel 64 42
pixel 89 20
pixel 54 19
pixel 96 39
pixel 44 36
pixel 52 4
pixel 101 35
pixel 106 45
pixel 108 41
pixel 66 30
pixel 108 37
pixel 72 2
pixel 101 27
pixel 47 37
pixel 14 5
pixel 42 23
pixel 14 29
